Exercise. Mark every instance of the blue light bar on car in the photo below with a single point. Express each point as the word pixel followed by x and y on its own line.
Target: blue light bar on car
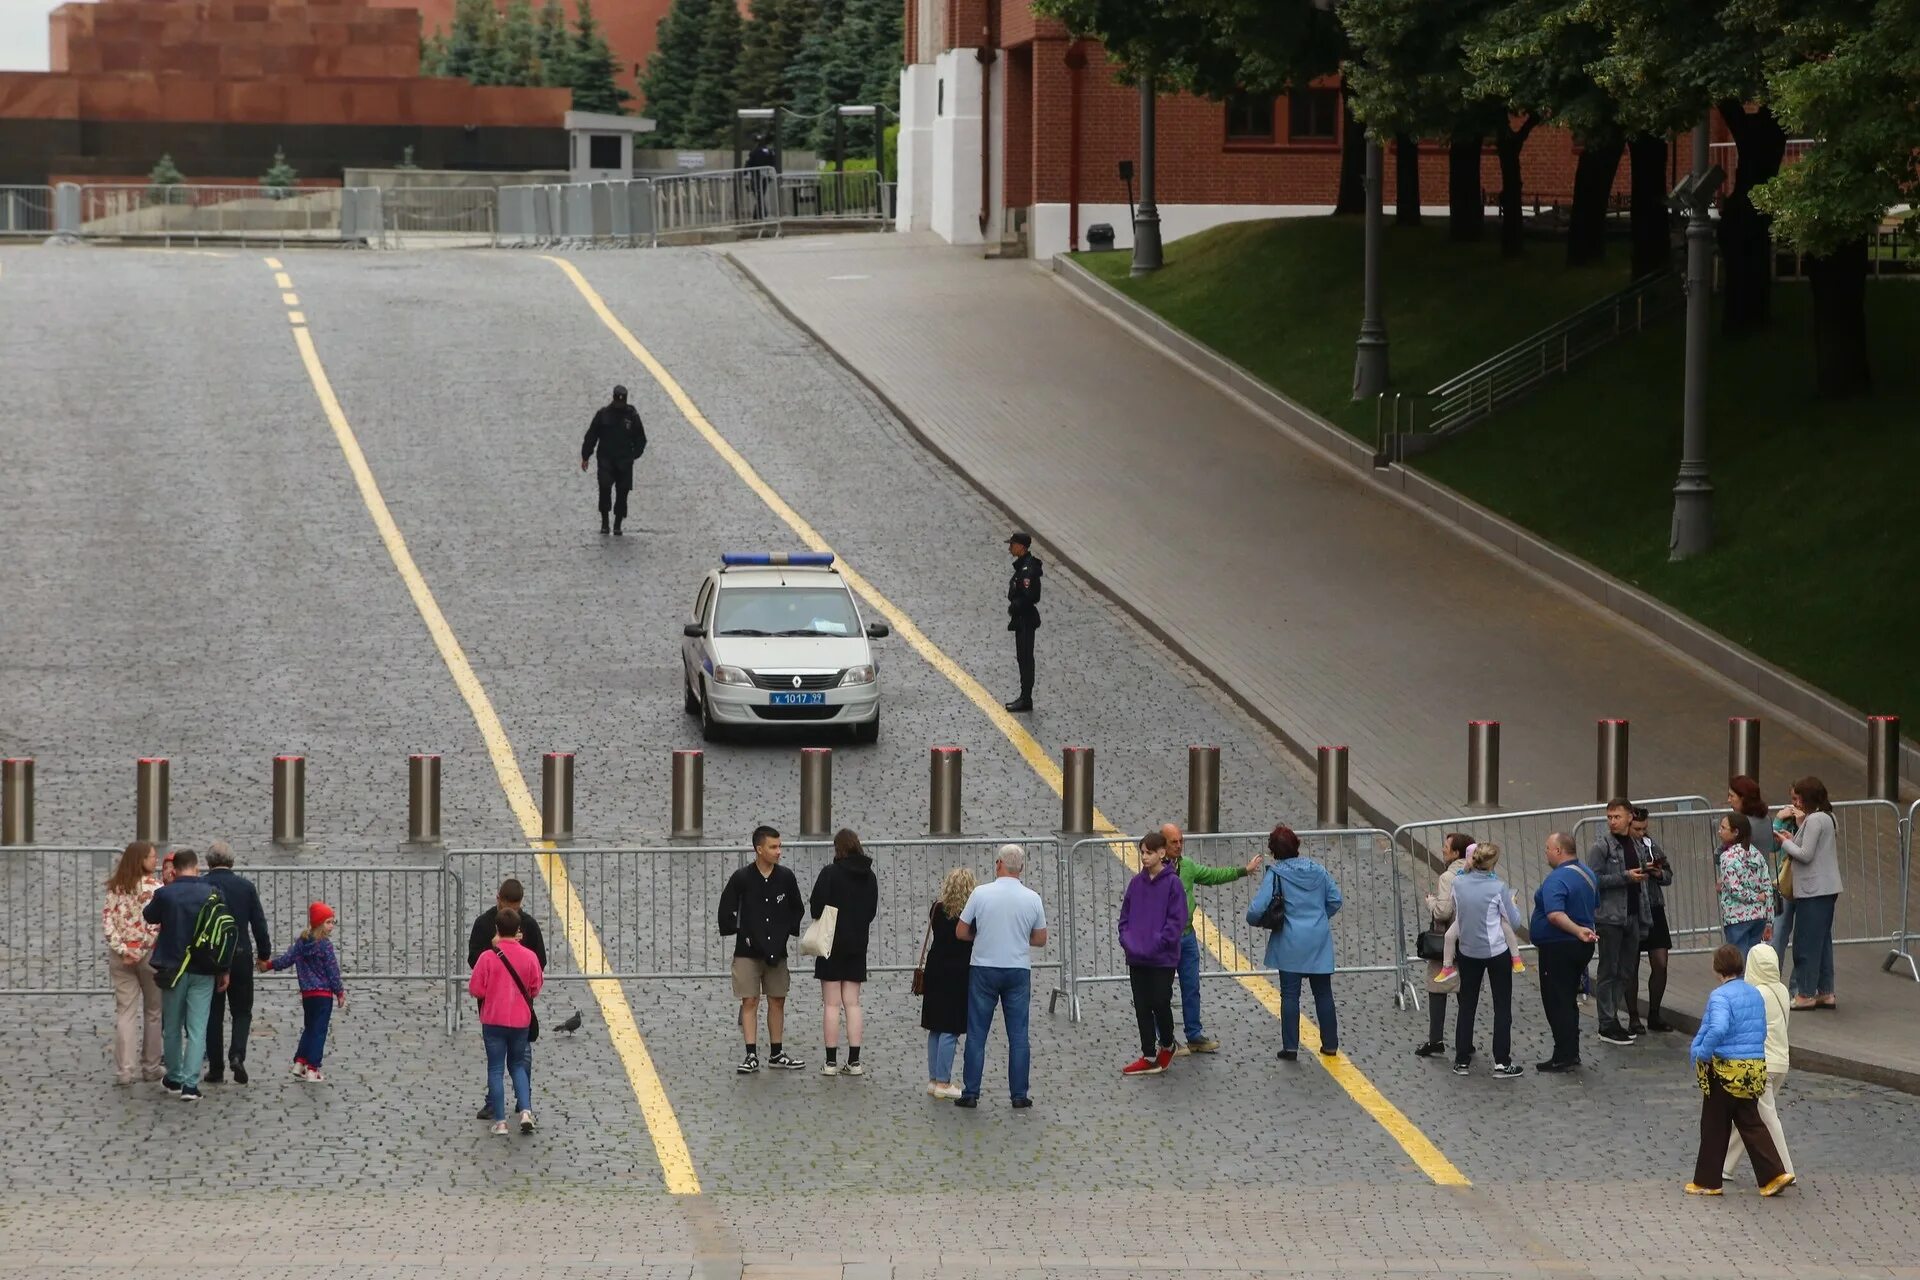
pixel 818 558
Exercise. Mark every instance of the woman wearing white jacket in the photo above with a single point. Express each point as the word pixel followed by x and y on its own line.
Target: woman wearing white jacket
pixel 1763 971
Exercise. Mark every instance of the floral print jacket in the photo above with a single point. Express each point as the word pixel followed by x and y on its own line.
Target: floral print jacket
pixel 1746 888
pixel 129 937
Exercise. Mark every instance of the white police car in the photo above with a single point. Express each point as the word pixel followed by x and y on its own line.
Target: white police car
pixel 777 639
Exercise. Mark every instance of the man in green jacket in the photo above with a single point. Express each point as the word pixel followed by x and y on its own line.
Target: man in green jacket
pixel 1192 873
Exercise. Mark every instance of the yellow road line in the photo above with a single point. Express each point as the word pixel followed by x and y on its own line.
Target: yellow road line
pixel 272 262
pixel 296 317
pixel 283 280
pixel 1350 1078
pixel 669 1143
pixel 290 299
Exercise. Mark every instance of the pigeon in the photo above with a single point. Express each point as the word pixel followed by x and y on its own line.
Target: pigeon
pixel 572 1024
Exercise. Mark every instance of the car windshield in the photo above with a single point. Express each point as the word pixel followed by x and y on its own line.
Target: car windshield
pixel 785 611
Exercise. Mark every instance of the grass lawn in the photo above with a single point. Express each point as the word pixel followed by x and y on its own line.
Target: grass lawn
pixel 1813 501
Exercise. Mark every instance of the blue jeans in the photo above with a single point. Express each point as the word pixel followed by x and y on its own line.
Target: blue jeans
pixel 316 1014
pixel 1012 990
pixel 1189 971
pixel 1813 952
pixel 1783 930
pixel 1322 984
pixel 183 1027
pixel 940 1050
pixel 508 1053
pixel 1746 934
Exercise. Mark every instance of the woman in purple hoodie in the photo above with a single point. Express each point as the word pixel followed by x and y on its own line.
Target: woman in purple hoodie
pixel 1153 915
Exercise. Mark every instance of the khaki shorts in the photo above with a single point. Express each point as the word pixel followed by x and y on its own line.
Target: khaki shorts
pixel 752 977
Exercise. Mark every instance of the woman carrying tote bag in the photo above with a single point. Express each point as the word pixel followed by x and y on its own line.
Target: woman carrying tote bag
pixel 847 887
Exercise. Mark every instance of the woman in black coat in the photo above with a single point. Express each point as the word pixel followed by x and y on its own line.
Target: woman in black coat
pixel 943 1008
pixel 847 885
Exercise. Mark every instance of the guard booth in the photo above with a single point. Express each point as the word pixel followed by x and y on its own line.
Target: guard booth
pixel 600 147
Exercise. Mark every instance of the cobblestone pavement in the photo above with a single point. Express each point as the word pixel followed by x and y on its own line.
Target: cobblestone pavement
pixel 190 572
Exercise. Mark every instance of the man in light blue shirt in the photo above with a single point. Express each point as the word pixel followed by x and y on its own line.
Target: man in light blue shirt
pixel 1003 919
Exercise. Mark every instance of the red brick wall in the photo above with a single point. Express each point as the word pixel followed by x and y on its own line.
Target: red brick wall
pixel 236 39
pixel 146 96
pixel 1017 136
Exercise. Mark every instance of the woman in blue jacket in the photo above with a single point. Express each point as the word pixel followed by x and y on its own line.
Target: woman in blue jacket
pixel 1730 1059
pixel 1303 946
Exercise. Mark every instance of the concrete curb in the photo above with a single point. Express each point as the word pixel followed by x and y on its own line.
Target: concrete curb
pixel 1820 710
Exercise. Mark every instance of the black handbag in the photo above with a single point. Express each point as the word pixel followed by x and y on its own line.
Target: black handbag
pixel 1431 945
pixel 1274 918
pixel 533 1018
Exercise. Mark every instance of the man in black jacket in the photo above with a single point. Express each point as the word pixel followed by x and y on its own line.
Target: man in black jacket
pixel 760 909
pixel 619 438
pixel 1023 612
pixel 250 940
pixel 512 894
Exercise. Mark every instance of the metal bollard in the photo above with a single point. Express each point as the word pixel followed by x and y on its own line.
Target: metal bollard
pixel 1203 790
pixel 1331 769
pixel 152 787
pixel 943 791
pixel 1610 767
pixel 816 791
pixel 689 795
pixel 1883 758
pixel 1483 762
pixel 1076 791
pixel 556 796
pixel 1743 747
pixel 289 801
pixel 423 799
pixel 16 801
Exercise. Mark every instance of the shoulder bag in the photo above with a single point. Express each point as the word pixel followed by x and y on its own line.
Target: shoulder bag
pixel 920 966
pixel 533 1018
pixel 818 939
pixel 1274 918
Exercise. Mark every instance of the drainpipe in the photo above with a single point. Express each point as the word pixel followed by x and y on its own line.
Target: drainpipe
pixel 1076 63
pixel 988 54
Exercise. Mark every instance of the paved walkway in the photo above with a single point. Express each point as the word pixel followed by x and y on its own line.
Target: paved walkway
pixel 1332 610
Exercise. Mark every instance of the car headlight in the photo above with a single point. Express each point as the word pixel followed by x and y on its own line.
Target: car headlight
pixel 862 674
pixel 731 675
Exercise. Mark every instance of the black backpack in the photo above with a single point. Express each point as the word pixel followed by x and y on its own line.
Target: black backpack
pixel 215 934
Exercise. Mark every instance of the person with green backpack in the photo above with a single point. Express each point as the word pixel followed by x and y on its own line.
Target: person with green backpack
pixel 190 961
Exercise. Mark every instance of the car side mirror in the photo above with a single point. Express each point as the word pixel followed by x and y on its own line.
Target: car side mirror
pixel 878 631
pixel 693 631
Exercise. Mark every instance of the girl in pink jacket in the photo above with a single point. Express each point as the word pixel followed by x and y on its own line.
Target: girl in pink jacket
pixel 505 980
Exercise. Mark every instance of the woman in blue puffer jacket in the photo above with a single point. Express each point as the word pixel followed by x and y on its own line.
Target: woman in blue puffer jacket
pixel 1730 1058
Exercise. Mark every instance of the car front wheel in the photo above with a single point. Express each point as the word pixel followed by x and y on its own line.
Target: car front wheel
pixel 709 728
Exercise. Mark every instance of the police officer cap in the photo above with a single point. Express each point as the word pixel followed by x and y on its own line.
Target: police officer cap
pixel 619 393
pixel 1020 536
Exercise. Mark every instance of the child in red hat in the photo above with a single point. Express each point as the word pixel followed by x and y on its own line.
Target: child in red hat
pixel 318 969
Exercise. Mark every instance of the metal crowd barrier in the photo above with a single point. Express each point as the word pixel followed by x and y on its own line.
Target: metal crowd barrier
pixel 1901 952
pixel 439 215
pixel 26 211
pixel 832 196
pixel 1366 931
pixel 194 212
pixel 716 200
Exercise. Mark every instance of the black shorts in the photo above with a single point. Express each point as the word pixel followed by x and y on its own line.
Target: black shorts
pixel 1658 938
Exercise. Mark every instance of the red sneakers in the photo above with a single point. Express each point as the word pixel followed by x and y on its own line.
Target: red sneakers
pixel 1143 1067
pixel 1166 1058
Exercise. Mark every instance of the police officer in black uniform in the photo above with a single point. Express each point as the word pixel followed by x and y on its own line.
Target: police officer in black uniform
pixel 620 439
pixel 1023 612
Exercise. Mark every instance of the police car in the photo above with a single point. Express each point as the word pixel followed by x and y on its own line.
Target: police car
pixel 777 639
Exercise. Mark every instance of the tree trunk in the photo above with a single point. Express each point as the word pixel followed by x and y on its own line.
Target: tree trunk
pixel 1746 238
pixel 1352 197
pixel 1592 193
pixel 1507 144
pixel 1652 220
pixel 1466 203
pixel 1840 322
pixel 1406 181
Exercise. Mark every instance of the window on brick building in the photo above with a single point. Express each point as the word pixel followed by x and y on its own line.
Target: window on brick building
pixel 1250 117
pixel 1313 115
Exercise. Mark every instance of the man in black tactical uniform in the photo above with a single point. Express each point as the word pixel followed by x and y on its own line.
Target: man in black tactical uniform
pixel 617 434
pixel 1023 613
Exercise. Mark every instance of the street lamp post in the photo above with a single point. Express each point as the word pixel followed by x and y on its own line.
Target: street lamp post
pixel 1146 223
pixel 1692 490
pixel 1370 349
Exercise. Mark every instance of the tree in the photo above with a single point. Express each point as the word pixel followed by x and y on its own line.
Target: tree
pixel 667 84
pixel 769 44
pixel 280 179
pixel 433 54
pixel 164 174
pixel 593 84
pixel 711 105
pixel 552 49
pixel 466 45
pixel 519 52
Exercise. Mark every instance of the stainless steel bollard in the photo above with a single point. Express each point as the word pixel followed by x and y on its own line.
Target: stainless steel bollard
pixel 1483 762
pixel 1076 791
pixel 423 799
pixel 1331 769
pixel 1203 790
pixel 289 801
pixel 16 801
pixel 1743 747
pixel 943 791
pixel 689 795
pixel 1883 758
pixel 152 786
pixel 556 796
pixel 1610 767
pixel 816 791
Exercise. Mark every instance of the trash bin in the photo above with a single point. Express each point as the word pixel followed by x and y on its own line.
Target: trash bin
pixel 1100 236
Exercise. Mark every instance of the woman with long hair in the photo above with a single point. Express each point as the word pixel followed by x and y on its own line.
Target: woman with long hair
pixel 1453 852
pixel 943 1002
pixel 1486 910
pixel 1814 849
pixel 1743 797
pixel 136 992
pixel 847 885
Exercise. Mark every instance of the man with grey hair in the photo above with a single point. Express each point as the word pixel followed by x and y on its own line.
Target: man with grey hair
pixel 1004 920
pixel 244 901
pixel 1562 933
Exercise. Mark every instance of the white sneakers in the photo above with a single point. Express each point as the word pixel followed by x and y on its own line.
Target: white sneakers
pixel 948 1091
pixel 847 1069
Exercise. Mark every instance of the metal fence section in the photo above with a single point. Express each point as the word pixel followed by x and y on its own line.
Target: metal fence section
pixel 26 211
pixel 832 196
pixel 194 212
pixel 52 935
pixel 716 200
pixel 1901 954
pixel 444 216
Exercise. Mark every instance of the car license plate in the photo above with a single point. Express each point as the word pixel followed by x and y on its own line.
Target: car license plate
pixel 798 699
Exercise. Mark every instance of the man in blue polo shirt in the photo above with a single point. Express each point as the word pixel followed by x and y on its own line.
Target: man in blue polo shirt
pixel 1562 932
pixel 1004 920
